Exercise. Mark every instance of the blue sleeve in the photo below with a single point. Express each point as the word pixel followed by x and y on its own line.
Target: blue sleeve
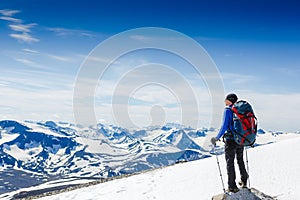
pixel 226 123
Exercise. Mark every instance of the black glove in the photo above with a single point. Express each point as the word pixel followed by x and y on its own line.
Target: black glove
pixel 213 140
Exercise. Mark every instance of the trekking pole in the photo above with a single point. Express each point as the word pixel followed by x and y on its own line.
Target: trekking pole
pixel 219 168
pixel 247 166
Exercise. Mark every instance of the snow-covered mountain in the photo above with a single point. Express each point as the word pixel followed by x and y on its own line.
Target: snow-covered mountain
pixel 273 170
pixel 58 150
pixel 35 152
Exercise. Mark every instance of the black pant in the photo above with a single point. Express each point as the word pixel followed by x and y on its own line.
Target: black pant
pixel 232 149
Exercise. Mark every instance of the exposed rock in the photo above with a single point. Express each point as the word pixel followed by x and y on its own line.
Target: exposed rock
pixel 245 194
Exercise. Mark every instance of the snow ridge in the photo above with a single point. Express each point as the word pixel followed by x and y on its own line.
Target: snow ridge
pixel 200 180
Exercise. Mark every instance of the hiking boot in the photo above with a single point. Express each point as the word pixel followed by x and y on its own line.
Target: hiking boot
pixel 243 184
pixel 234 190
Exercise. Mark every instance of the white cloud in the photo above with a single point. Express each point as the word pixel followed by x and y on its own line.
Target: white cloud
pixel 30 79
pixel 25 28
pixel 44 61
pixel 238 78
pixel 37 105
pixel 29 63
pixel 30 51
pixel 11 19
pixel 32 95
pixel 158 38
pixel 59 58
pixel 71 32
pixel 143 83
pixel 36 95
pixel 24 61
pixel 271 109
pixel 147 87
pixel 22 30
pixel 276 112
pixel 24 37
pixel 98 59
pixel 142 38
pixel 31 104
pixel 9 13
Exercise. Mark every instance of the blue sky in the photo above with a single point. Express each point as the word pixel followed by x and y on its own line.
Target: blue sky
pixel 255 45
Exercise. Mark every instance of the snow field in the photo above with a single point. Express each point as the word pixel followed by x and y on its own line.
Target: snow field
pixel 274 170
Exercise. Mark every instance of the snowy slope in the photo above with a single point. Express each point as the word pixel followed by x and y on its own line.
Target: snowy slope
pixel 32 153
pixel 274 169
pixel 56 150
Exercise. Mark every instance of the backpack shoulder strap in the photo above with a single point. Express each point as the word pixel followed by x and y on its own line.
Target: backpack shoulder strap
pixel 228 134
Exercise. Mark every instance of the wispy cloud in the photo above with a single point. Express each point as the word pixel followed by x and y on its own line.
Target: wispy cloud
pixel 11 19
pixel 60 58
pixel 142 38
pixel 21 31
pixel 9 13
pixel 32 64
pixel 30 51
pixel 24 61
pixel 44 95
pixel 97 59
pixel 47 55
pixel 26 28
pixel 24 37
pixel 33 80
pixel 40 60
pixel 70 32
pixel 140 88
pixel 239 78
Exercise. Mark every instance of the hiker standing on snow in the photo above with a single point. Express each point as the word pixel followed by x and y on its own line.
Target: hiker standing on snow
pixel 231 148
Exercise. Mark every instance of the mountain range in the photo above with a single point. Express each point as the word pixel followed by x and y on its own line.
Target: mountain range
pixel 44 151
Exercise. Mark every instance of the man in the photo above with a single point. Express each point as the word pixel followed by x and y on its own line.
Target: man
pixel 231 148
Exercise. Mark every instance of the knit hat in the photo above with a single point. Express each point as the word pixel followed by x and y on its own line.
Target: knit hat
pixel 232 98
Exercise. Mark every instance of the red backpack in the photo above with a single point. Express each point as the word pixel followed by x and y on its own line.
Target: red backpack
pixel 244 123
